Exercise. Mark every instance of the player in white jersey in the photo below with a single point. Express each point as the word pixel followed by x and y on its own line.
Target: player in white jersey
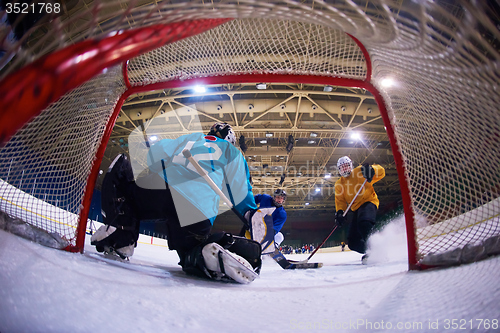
pixel 175 194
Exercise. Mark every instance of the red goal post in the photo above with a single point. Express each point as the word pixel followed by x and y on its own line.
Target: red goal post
pixel 61 97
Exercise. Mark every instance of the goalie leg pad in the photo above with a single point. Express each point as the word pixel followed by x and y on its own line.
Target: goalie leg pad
pixel 261 228
pixel 204 259
pixel 116 201
pixel 222 262
pixel 248 249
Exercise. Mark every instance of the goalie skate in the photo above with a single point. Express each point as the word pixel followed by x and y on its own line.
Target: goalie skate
pixel 225 263
pixel 124 253
pixel 101 240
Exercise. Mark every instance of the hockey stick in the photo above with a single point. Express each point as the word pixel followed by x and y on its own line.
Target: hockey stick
pixel 203 173
pixel 334 228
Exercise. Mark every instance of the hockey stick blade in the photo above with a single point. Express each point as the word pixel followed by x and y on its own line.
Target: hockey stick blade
pixel 289 264
pixel 307 265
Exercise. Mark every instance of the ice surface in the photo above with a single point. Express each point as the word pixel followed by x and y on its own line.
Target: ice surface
pixel 48 290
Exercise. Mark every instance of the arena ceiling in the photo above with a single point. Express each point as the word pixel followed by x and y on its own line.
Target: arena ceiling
pixel 322 123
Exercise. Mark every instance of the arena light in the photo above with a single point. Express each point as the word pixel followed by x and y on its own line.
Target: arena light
pixel 355 136
pixel 199 89
pixel 153 138
pixel 387 82
pixel 261 86
pixel 328 175
pixel 328 88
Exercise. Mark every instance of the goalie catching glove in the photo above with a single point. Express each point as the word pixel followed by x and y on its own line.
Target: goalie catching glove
pixel 225 257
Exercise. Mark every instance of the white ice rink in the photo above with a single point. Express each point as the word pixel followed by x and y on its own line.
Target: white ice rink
pixel 47 290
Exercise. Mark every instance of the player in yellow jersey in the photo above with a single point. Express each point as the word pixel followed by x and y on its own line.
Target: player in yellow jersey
pixel 364 209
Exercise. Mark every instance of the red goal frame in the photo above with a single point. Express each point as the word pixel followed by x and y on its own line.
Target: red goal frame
pixel 30 90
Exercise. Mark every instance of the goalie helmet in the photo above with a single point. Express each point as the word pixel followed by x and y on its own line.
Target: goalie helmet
pixel 223 131
pixel 279 197
pixel 344 165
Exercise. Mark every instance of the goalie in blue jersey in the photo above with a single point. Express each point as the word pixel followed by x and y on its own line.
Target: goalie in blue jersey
pixel 172 192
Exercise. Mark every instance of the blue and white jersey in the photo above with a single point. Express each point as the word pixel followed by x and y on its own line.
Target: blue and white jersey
pixel 224 164
pixel 279 214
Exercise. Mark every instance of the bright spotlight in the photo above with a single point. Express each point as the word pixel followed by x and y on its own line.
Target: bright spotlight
pixel 153 138
pixel 355 136
pixel 199 89
pixel 387 82
pixel 261 86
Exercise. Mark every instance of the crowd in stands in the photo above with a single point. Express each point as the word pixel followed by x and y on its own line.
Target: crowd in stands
pixel 307 248
pixel 288 249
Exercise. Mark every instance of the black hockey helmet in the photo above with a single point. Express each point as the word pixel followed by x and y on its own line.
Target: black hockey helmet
pixel 279 197
pixel 223 131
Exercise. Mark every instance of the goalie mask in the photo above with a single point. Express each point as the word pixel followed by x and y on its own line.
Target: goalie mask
pixel 279 197
pixel 223 131
pixel 344 165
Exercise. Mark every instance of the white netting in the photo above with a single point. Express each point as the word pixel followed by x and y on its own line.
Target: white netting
pixel 444 104
pixel 253 46
pixel 51 157
pixel 442 58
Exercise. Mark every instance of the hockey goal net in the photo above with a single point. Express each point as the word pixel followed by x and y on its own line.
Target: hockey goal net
pixel 433 68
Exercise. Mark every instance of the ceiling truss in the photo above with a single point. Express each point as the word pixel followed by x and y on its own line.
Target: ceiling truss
pixel 321 123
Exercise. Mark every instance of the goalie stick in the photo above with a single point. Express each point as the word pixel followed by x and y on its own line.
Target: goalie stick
pixel 276 254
